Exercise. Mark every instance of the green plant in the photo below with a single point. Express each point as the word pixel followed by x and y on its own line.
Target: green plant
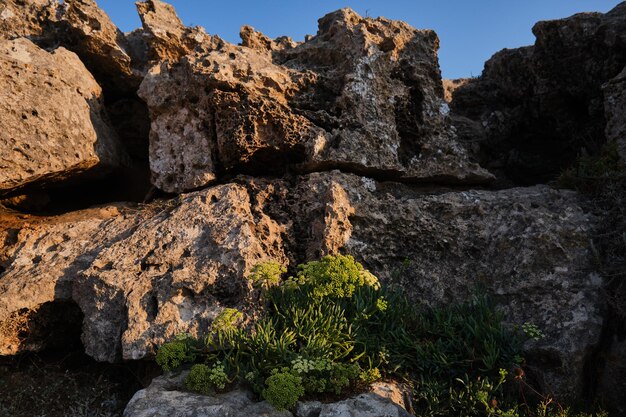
pixel 266 274
pixel 172 355
pixel 332 328
pixel 205 380
pixel 532 331
pixel 226 320
pixel 283 390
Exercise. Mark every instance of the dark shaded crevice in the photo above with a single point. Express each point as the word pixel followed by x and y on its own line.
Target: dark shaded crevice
pixel 390 175
pixel 52 325
pixel 595 361
pixel 66 381
pixel 128 184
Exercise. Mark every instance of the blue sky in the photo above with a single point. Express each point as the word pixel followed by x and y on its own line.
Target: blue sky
pixel 470 31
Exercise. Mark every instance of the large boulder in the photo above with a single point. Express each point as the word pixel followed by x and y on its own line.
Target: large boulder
pixel 364 95
pixel 54 126
pixel 82 27
pixel 165 37
pixel 167 397
pixel 528 248
pixel 537 108
pixel 26 18
pixel 141 276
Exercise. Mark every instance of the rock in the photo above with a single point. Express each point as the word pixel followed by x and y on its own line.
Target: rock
pixel 165 36
pixel 614 109
pixel 540 106
pixel 35 201
pixel 252 39
pixel 364 405
pixel 140 277
pixel 450 86
pixel 166 397
pixel 526 247
pixel 25 18
pixel 393 391
pixel 54 125
pixel 364 95
pixel 84 28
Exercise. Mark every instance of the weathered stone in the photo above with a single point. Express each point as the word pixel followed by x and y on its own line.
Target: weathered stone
pixel 252 39
pixel 539 106
pixel 450 86
pixel 526 247
pixel 85 29
pixel 25 18
pixel 165 36
pixel 53 123
pixel 364 405
pixel 615 111
pixel 166 397
pixel 140 277
pixel 364 95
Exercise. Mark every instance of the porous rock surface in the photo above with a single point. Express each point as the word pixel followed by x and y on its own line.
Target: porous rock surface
pixel 363 94
pixel 535 109
pixel 53 123
pixel 24 18
pixel 528 247
pixel 166 397
pixel 615 112
pixel 141 277
pixel 288 151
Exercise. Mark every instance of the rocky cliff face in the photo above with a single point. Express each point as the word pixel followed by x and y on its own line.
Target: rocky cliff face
pixel 279 150
pixel 534 108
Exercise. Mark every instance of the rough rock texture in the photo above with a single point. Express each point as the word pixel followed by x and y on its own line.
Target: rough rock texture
pixel 165 36
pixel 166 397
pixel 364 95
pixel 53 124
pixel 535 108
pixel 85 29
pixel 529 247
pixel 142 277
pixel 23 18
pixel 615 112
pixel 450 86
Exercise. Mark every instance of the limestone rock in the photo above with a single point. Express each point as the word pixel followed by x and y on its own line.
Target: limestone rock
pixel 539 106
pixel 84 28
pixel 165 36
pixel 166 397
pixel 53 123
pixel 25 18
pixel 364 95
pixel 253 39
pixel 527 247
pixel 364 405
pixel 615 110
pixel 140 277
pixel 450 86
